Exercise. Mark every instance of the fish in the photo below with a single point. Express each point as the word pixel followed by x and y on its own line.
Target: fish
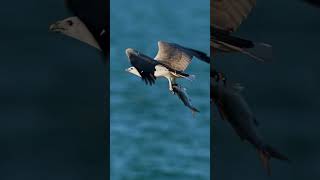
pixel 183 96
pixel 233 108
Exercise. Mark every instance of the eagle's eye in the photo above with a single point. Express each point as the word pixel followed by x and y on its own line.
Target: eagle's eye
pixel 70 23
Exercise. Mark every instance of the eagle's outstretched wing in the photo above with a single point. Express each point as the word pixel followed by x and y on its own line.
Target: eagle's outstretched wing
pixel 178 57
pixel 229 14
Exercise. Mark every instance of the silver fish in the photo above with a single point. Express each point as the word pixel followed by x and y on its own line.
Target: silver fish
pixel 236 111
pixel 183 96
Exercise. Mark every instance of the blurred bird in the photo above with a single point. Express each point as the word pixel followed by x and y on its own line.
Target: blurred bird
pixel 226 18
pixel 89 23
pixel 233 108
pixel 170 62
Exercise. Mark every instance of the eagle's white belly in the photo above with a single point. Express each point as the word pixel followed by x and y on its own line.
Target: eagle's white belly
pixel 162 71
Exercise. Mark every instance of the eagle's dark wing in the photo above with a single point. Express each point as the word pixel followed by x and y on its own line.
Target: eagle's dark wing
pixel 95 15
pixel 145 66
pixel 224 36
pixel 313 2
pixel 178 57
pixel 226 18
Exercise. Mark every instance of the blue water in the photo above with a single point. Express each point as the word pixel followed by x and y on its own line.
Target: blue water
pixel 153 135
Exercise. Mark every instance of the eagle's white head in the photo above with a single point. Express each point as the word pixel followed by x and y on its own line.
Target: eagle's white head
pixel 75 28
pixel 133 70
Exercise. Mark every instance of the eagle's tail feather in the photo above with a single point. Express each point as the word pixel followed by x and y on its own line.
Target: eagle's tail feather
pixel 191 77
pixel 201 55
pixel 260 52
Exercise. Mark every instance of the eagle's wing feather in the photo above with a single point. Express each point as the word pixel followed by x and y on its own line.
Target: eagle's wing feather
pixel 145 66
pixel 177 57
pixel 315 3
pixel 229 14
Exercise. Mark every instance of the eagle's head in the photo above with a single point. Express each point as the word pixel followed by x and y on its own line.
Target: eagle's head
pixel 75 28
pixel 134 71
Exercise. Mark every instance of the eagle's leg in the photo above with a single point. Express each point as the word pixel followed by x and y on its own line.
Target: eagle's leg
pixel 170 85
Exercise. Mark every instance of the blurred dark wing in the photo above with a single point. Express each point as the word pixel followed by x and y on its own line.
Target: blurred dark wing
pixel 224 36
pixel 229 14
pixel 95 15
pixel 313 2
pixel 195 53
pixel 177 57
pixel 145 66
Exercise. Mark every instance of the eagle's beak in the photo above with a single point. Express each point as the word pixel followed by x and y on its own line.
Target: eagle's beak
pixel 127 69
pixel 56 27
pixel 52 27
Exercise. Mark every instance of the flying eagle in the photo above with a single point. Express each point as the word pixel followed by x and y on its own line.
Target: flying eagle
pixel 89 23
pixel 170 62
pixel 226 18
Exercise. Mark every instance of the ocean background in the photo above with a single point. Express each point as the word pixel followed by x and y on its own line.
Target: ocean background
pixel 283 94
pixel 153 135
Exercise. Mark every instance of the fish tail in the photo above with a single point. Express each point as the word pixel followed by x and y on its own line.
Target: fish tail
pixel 265 159
pixel 275 154
pixel 266 153
pixel 194 111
